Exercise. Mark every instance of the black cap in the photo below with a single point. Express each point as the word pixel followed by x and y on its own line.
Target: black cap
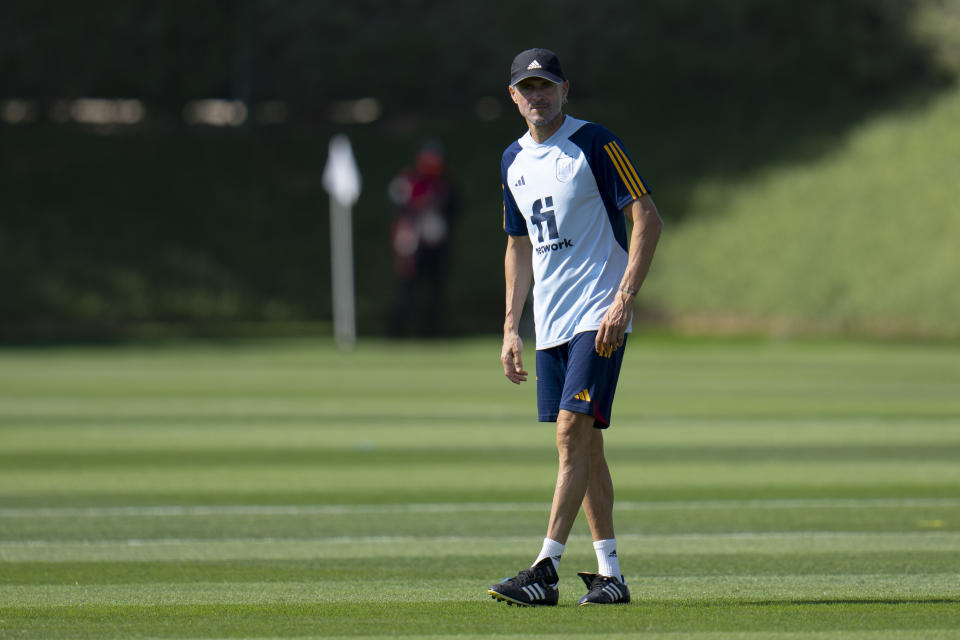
pixel 539 63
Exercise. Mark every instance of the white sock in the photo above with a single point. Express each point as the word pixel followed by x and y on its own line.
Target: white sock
pixel 607 561
pixel 551 549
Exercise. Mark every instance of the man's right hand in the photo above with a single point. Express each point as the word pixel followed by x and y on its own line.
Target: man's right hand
pixel 511 359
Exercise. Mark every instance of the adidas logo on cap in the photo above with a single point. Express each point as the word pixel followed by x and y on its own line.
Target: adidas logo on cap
pixel 540 63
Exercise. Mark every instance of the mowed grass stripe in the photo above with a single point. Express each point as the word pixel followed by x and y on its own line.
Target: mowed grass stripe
pixel 484 618
pixel 888 634
pixel 470 523
pixel 193 550
pixel 288 379
pixel 461 507
pixel 332 567
pixel 225 432
pixel 475 480
pixel 375 455
pixel 704 490
pixel 731 589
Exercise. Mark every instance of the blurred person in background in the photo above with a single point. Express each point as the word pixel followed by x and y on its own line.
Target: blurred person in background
pixel 425 204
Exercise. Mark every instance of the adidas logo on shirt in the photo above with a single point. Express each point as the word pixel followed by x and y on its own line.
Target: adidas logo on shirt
pixel 521 182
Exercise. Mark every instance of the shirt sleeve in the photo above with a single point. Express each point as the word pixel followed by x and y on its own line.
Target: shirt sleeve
pixel 616 175
pixel 513 221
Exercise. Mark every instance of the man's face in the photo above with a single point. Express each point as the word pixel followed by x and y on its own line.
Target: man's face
pixel 538 99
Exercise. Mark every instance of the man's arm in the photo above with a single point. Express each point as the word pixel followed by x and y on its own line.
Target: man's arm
pixel 518 273
pixel 647 226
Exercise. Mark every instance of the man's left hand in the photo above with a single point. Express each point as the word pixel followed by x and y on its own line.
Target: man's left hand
pixel 613 328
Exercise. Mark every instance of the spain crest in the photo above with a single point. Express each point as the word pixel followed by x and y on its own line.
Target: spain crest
pixel 564 168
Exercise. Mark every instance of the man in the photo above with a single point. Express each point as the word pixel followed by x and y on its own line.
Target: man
pixel 568 186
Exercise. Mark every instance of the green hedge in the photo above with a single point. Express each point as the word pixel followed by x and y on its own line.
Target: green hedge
pixel 105 233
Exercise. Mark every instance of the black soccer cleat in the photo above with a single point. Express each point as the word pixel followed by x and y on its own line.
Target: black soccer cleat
pixel 603 589
pixel 533 587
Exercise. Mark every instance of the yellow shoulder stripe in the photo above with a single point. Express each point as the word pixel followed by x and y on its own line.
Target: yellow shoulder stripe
pixel 623 176
pixel 633 172
pixel 627 173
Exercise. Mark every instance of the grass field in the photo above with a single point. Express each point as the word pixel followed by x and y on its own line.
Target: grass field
pixel 791 490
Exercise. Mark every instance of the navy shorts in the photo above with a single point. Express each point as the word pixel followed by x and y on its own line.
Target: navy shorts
pixel 573 376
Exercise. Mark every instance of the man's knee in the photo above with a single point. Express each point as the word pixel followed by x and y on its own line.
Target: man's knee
pixel 574 432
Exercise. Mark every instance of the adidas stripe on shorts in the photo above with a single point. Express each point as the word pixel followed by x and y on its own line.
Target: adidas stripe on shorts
pixel 573 376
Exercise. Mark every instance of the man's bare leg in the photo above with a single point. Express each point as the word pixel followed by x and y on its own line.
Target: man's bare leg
pixel 598 507
pixel 574 443
pixel 598 501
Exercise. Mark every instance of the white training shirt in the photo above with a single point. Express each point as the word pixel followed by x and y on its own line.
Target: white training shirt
pixel 567 195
